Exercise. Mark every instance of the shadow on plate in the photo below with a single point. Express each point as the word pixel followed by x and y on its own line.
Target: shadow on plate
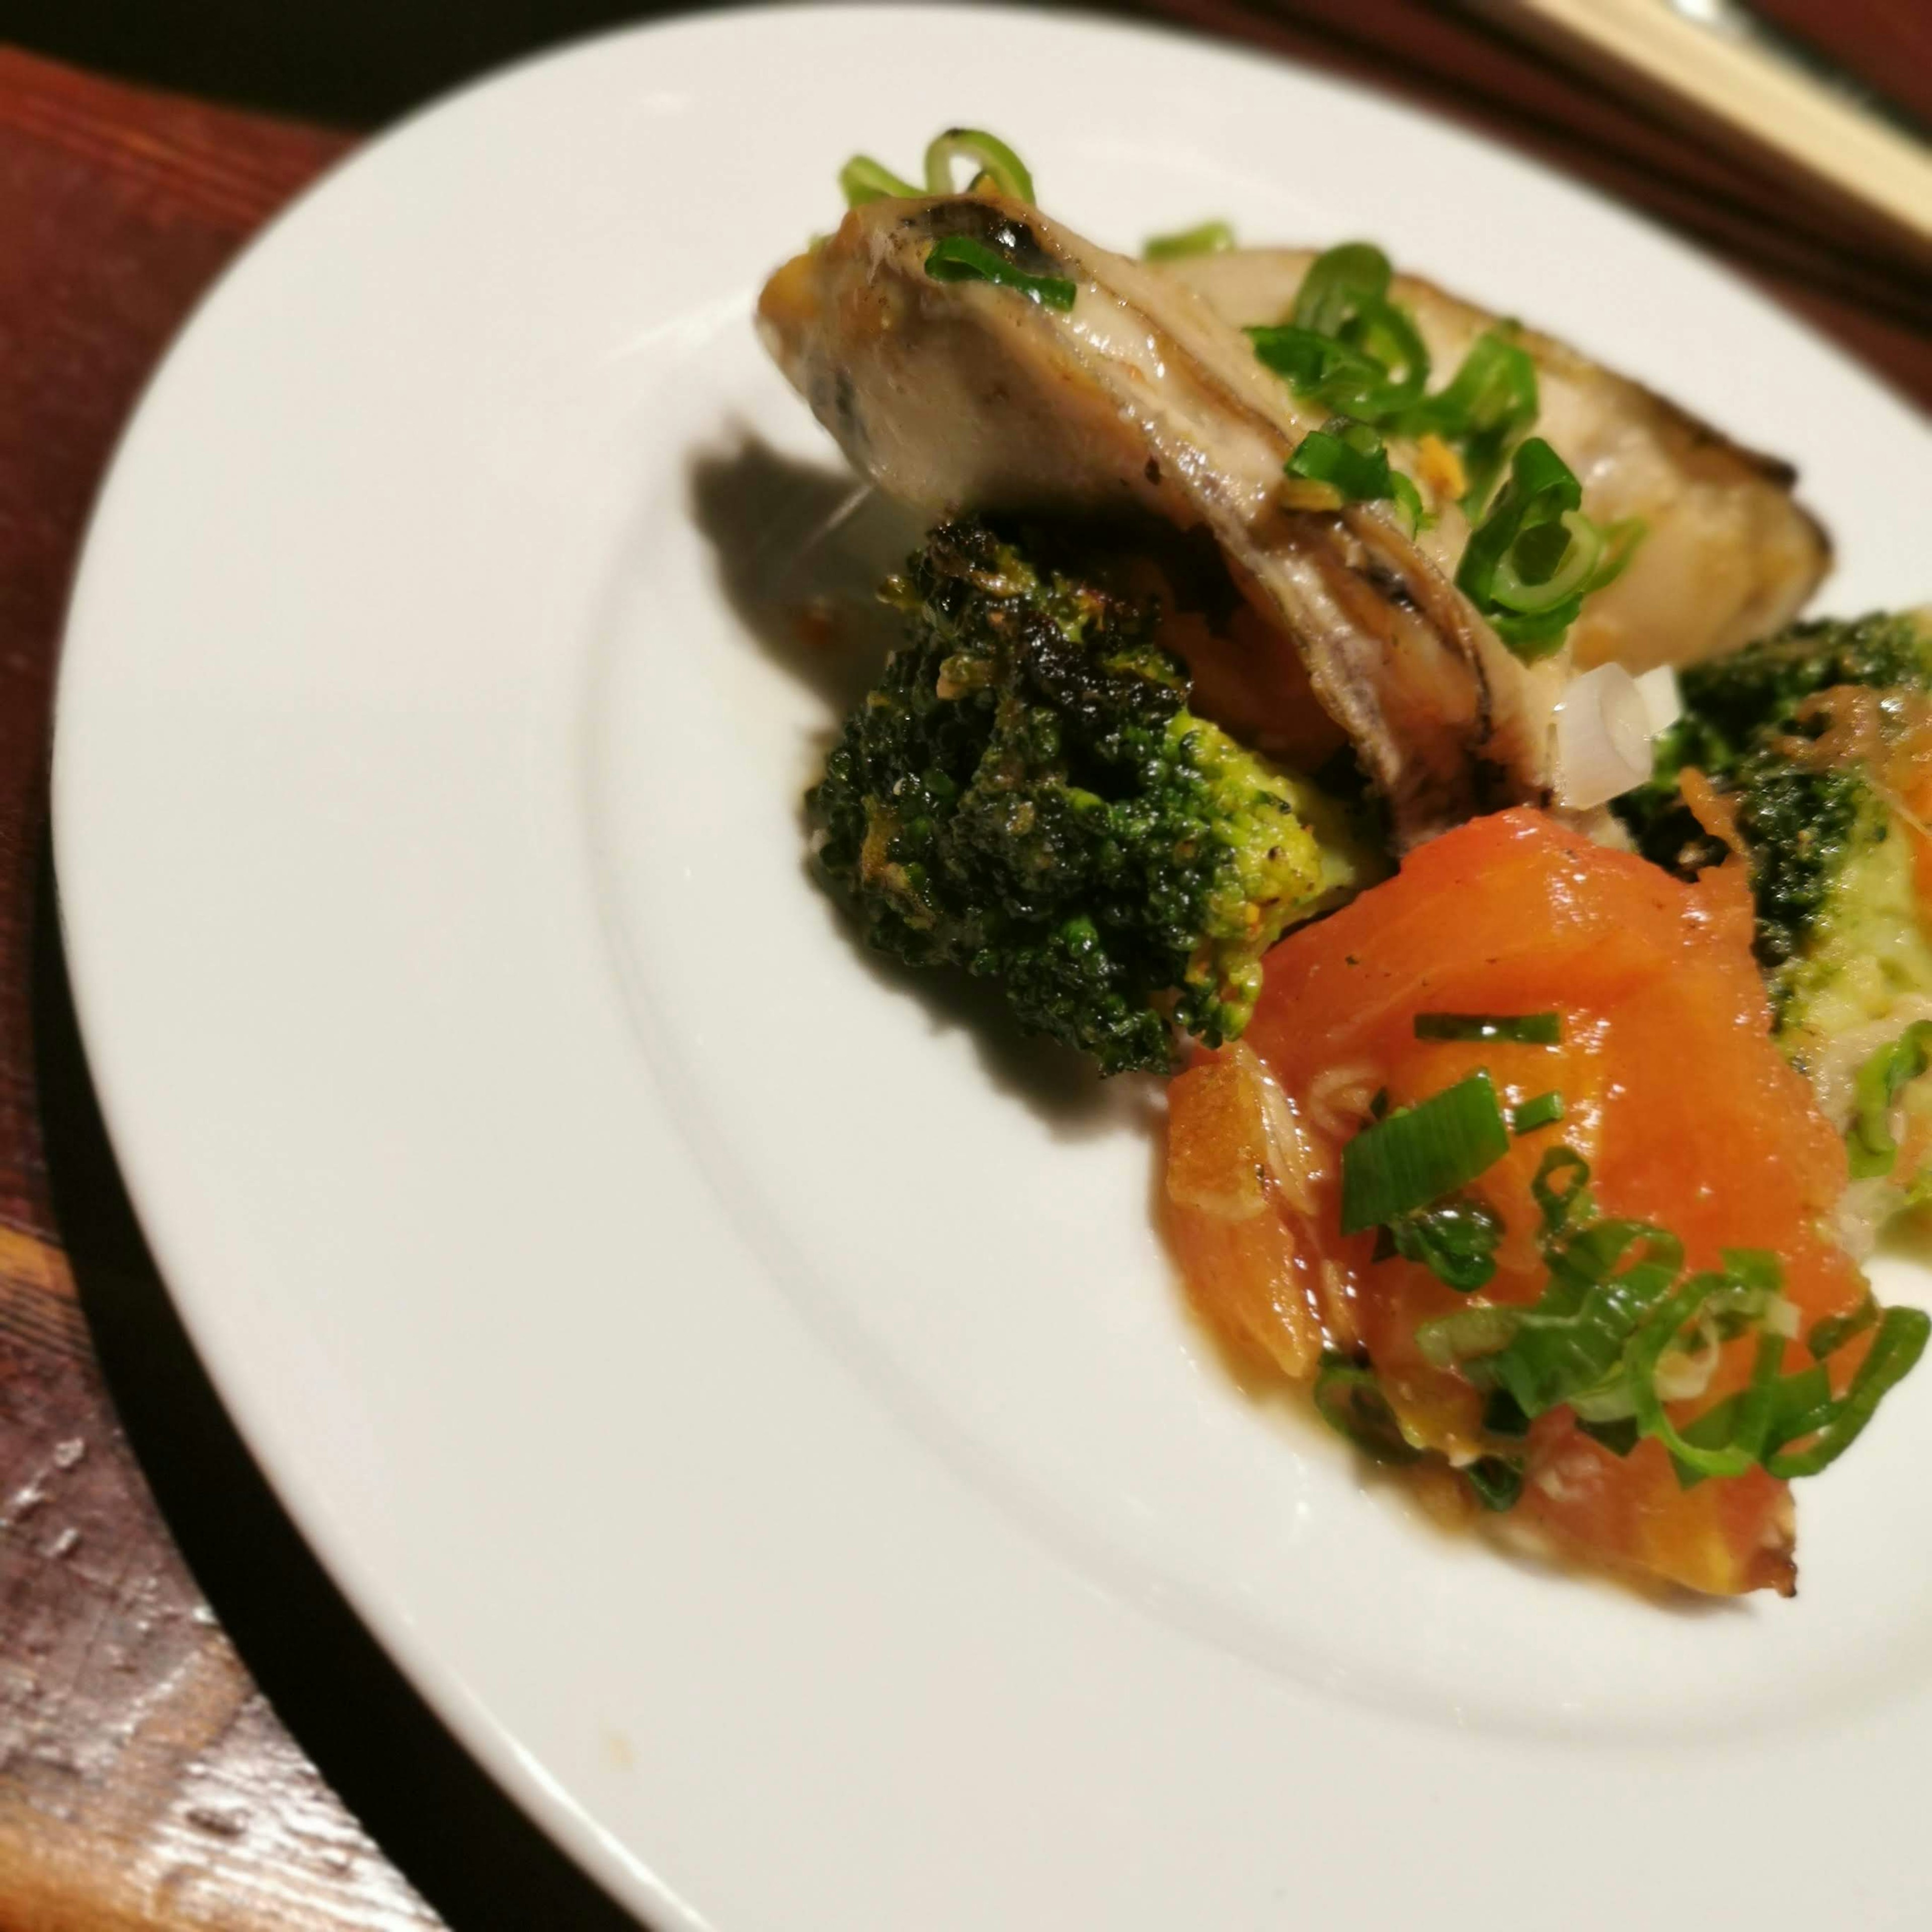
pixel 801 549
pixel 435 1815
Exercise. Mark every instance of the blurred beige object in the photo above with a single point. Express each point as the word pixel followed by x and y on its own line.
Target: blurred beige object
pixel 1756 91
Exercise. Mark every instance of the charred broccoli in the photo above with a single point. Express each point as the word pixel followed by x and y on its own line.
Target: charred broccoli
pixel 1805 765
pixel 1026 795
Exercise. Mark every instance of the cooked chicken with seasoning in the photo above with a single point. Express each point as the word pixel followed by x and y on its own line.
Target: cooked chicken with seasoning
pixel 1730 556
pixel 1133 397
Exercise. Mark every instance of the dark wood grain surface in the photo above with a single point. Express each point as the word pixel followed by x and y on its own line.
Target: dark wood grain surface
pixel 143 1780
pixel 148 1777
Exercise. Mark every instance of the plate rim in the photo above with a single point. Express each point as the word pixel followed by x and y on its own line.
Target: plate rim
pixel 457 1703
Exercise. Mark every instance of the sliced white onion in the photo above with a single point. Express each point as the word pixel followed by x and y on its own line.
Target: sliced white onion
pixel 1290 1160
pixel 1683 1376
pixel 1603 738
pixel 1661 699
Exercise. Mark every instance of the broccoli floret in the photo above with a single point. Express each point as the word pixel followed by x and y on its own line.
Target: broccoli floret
pixel 1026 795
pixel 1746 699
pixel 1839 935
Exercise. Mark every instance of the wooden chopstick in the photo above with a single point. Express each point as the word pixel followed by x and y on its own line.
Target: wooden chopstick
pixel 1749 96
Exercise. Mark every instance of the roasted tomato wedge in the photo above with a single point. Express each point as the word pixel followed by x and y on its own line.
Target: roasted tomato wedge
pixel 1671 1092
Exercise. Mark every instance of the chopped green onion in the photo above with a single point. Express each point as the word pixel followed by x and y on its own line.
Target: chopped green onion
pixel 1801 1404
pixel 1573 1203
pixel 1831 1334
pixel 1614 1307
pixel 992 159
pixel 959 258
pixel 1531 561
pixel 1338 282
pixel 1372 373
pixel 1549 564
pixel 1753 1274
pixel 1621 541
pixel 1384 333
pixel 1455 1239
pixel 1346 344
pixel 1571 1345
pixel 1344 375
pixel 1518 1029
pixel 1619 1437
pixel 1545 1110
pixel 1541 489
pixel 1349 1399
pixel 863 179
pixel 1409 502
pixel 1497 1481
pixel 1502 1415
pixel 1486 408
pixel 1417 1156
pixel 1470 1335
pixel 1751 1409
pixel 1316 364
pixel 1895 1349
pixel 1349 456
pixel 1211 238
pixel 1883 1077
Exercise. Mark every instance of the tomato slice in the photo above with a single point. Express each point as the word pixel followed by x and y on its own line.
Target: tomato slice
pixel 1671 1091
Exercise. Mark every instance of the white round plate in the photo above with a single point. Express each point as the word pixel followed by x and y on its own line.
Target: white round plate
pixel 753 1404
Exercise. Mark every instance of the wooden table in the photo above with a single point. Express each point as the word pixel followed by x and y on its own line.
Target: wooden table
pixel 146 1778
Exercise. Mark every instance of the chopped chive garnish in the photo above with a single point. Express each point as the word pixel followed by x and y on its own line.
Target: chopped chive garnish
pixel 863 179
pixel 1751 1408
pixel 1209 238
pixel 1619 1438
pixel 1544 1111
pixel 992 160
pixel 1571 1201
pixel 1570 1343
pixel 1486 408
pixel 1519 1029
pixel 1454 1238
pixel 1321 366
pixel 1868 1142
pixel 1534 557
pixel 1349 1399
pixel 1618 1306
pixel 959 258
pixel 1895 1349
pixel 1502 1415
pixel 1408 501
pixel 1340 282
pixel 1348 458
pixel 1346 344
pixel 1417 1156
pixel 1497 1481
pixel 1831 1334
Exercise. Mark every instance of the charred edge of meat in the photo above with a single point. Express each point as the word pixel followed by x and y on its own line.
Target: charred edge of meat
pixel 1496 790
pixel 845 409
pixel 1081 545
pixel 1394 586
